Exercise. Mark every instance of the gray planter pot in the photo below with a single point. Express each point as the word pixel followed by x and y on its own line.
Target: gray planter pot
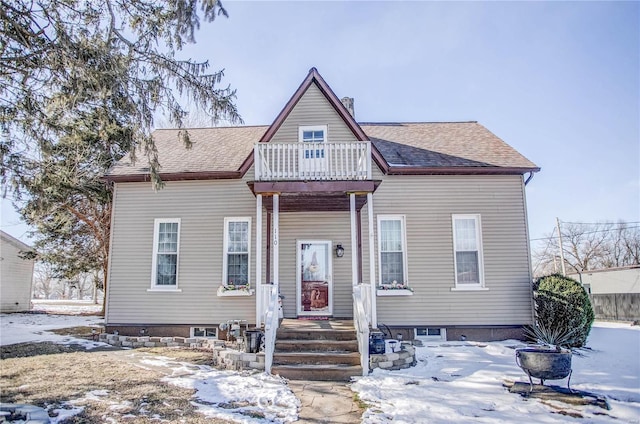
pixel 545 364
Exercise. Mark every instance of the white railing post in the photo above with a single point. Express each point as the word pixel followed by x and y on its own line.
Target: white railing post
pixel 257 161
pixel 260 305
pixel 362 327
pixel 272 321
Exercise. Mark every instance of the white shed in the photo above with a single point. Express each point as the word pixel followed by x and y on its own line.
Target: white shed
pixel 612 280
pixel 16 275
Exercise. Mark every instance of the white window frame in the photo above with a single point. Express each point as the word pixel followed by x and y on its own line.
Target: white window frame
pixel 303 128
pixel 225 247
pixel 154 261
pixel 427 338
pixel 403 230
pixel 478 227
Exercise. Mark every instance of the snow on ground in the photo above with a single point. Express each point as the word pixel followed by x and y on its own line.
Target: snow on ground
pixel 24 328
pixel 452 382
pixel 239 397
pixel 463 382
pixel 66 307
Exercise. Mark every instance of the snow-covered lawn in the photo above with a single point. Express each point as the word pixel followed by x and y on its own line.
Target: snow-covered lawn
pixel 463 382
pixel 452 382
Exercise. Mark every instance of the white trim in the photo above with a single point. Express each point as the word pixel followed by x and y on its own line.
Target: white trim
pixel 478 230
pixel 225 246
pixel 299 307
pixel 372 260
pixel 442 336
pixel 260 308
pixel 394 292
pixel 354 239
pixel 323 128
pixel 403 229
pixel 154 260
pixel 234 293
pixel 167 290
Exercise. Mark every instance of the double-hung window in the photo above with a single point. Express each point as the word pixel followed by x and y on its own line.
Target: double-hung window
pixel 392 249
pixel 467 246
pixel 237 236
pixel 166 248
pixel 313 134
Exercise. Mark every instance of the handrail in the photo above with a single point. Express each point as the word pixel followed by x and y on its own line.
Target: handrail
pixel 361 322
pixel 272 321
pixel 315 161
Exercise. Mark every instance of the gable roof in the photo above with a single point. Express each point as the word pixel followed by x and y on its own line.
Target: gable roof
pixel 314 77
pixel 8 238
pixel 397 147
pixel 409 147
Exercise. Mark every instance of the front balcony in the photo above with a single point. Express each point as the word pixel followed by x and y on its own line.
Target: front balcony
pixel 340 161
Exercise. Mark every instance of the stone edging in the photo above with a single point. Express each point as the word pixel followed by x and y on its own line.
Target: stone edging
pixel 405 358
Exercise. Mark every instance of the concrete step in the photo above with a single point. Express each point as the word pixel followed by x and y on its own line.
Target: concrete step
pixel 295 345
pixel 315 334
pixel 317 372
pixel 316 358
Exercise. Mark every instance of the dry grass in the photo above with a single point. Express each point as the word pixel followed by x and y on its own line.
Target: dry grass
pixel 56 378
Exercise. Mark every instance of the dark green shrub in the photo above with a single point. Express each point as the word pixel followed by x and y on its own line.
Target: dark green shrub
pixel 562 306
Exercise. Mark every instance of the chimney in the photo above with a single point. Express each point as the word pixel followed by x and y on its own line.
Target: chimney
pixel 348 103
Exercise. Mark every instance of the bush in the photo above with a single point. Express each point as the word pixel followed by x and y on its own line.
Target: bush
pixel 562 307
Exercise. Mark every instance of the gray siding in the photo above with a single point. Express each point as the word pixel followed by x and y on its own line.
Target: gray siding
pixel 313 109
pixel 428 203
pixel 15 278
pixel 202 207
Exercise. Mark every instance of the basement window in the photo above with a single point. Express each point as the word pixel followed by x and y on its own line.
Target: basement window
pixel 430 333
pixel 208 332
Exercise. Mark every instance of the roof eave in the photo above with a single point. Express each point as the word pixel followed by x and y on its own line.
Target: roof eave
pixel 175 176
pixel 458 170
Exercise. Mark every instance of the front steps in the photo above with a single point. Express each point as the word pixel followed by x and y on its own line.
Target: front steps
pixel 316 350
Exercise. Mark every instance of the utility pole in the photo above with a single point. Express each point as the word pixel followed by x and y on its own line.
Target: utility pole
pixel 564 271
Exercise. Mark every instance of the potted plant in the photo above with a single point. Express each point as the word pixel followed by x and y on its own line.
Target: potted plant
pixel 550 359
pixel 563 319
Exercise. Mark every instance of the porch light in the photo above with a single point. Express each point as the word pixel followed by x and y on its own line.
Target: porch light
pixel 339 251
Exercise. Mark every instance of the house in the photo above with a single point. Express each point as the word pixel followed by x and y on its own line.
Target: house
pixel 429 219
pixel 16 275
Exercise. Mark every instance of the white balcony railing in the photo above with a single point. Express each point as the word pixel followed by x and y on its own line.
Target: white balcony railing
pixel 313 161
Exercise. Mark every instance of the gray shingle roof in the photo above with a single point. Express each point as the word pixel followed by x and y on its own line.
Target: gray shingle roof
pixel 442 144
pixel 427 144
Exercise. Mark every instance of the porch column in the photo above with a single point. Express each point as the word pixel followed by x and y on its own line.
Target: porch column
pixel 260 307
pixel 372 262
pixel 354 240
pixel 276 247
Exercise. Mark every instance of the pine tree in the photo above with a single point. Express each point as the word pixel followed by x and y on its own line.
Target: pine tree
pixel 80 84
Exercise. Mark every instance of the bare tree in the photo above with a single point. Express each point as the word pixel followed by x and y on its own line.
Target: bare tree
pixel 44 280
pixel 589 247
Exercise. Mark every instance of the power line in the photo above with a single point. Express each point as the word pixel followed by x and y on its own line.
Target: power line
pixel 589 232
pixel 599 223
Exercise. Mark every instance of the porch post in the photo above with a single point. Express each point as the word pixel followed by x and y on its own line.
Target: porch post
pixel 259 297
pixel 372 262
pixel 354 240
pixel 276 241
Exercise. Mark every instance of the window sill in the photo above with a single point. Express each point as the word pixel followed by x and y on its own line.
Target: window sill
pixel 155 289
pixel 394 292
pixel 476 288
pixel 235 293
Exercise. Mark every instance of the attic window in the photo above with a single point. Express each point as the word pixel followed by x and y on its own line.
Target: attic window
pixel 312 134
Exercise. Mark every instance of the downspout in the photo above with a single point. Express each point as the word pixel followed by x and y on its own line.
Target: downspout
pixel 529 178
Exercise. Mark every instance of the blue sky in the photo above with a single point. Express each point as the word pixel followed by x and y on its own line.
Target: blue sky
pixel 558 81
